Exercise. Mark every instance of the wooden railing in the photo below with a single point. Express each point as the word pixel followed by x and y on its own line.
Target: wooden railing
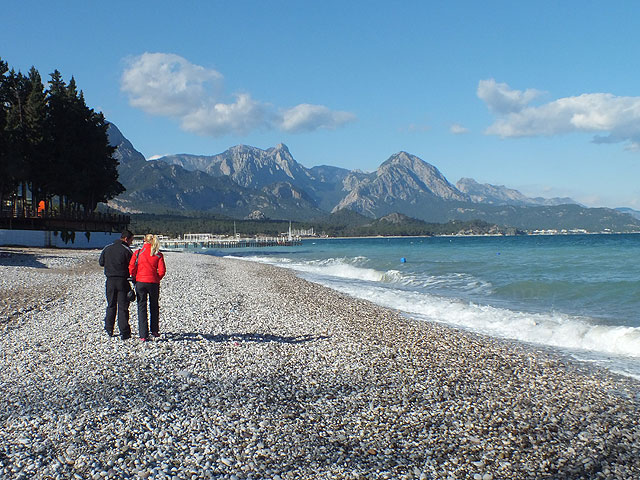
pixel 65 220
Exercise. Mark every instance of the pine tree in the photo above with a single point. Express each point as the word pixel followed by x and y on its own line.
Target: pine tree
pixel 38 164
pixel 98 175
pixel 58 125
pixel 76 143
pixel 81 148
pixel 7 183
pixel 17 149
pixel 53 144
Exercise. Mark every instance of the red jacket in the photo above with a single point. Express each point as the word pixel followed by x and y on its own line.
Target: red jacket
pixel 150 269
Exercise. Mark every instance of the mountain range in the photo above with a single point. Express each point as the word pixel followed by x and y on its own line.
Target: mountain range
pixel 248 182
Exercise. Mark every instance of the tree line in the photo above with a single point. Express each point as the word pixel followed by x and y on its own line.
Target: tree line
pixel 349 224
pixel 54 150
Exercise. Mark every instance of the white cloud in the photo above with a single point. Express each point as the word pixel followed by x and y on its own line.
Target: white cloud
pixel 501 99
pixel 458 129
pixel 306 117
pixel 168 85
pixel 215 119
pixel 618 118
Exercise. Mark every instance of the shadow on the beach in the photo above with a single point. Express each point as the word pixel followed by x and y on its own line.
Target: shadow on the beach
pixel 242 337
pixel 19 259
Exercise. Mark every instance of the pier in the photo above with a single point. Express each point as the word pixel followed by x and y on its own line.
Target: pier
pixel 209 241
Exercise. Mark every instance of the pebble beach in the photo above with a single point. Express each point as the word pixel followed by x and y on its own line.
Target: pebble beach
pixel 259 374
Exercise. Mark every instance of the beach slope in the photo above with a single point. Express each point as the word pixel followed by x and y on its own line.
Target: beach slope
pixel 259 374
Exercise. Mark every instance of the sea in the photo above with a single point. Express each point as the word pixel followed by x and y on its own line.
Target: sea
pixel 579 294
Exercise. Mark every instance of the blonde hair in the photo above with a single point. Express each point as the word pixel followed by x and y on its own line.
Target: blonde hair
pixel 152 240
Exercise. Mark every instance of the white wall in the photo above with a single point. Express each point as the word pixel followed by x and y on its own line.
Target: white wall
pixel 40 238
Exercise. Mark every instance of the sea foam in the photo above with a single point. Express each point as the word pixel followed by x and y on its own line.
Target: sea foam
pixel 394 289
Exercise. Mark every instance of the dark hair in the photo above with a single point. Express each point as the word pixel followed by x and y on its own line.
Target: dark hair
pixel 126 234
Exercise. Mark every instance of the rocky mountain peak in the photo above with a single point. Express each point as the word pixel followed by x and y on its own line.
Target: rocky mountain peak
pixel 246 179
pixel 501 195
pixel 125 152
pixel 402 158
pixel 281 147
pixel 241 150
pixel 401 184
pixel 420 175
pixel 280 155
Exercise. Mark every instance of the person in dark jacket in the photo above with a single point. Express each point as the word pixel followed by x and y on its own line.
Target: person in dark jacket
pixel 148 268
pixel 115 260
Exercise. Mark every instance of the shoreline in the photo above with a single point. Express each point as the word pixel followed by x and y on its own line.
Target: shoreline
pixel 602 336
pixel 453 235
pixel 261 374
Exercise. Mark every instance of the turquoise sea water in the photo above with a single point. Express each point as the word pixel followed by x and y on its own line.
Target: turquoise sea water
pixel 577 293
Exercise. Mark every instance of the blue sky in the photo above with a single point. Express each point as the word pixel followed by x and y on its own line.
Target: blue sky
pixel 540 96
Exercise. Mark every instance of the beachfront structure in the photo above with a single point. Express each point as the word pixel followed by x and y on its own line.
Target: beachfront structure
pixel 199 237
pixel 208 240
pixel 65 229
pixel 302 232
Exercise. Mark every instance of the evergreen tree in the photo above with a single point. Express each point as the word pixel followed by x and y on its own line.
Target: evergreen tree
pixel 77 140
pixel 97 179
pixel 58 125
pixel 17 149
pixel 97 176
pixel 7 183
pixel 53 144
pixel 38 164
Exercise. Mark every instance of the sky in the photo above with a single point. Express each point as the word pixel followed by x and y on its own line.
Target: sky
pixel 542 96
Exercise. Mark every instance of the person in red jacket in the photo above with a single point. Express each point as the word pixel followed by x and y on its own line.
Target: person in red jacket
pixel 147 269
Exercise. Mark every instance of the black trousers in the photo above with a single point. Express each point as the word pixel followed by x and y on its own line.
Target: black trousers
pixel 117 288
pixel 152 292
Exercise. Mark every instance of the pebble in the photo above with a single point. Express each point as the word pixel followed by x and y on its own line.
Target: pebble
pixel 259 374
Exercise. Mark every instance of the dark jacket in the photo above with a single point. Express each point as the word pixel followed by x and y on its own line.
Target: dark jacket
pixel 115 259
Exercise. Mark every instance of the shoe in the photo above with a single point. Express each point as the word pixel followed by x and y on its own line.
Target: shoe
pixel 144 339
pixel 125 337
pixel 155 334
pixel 109 334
